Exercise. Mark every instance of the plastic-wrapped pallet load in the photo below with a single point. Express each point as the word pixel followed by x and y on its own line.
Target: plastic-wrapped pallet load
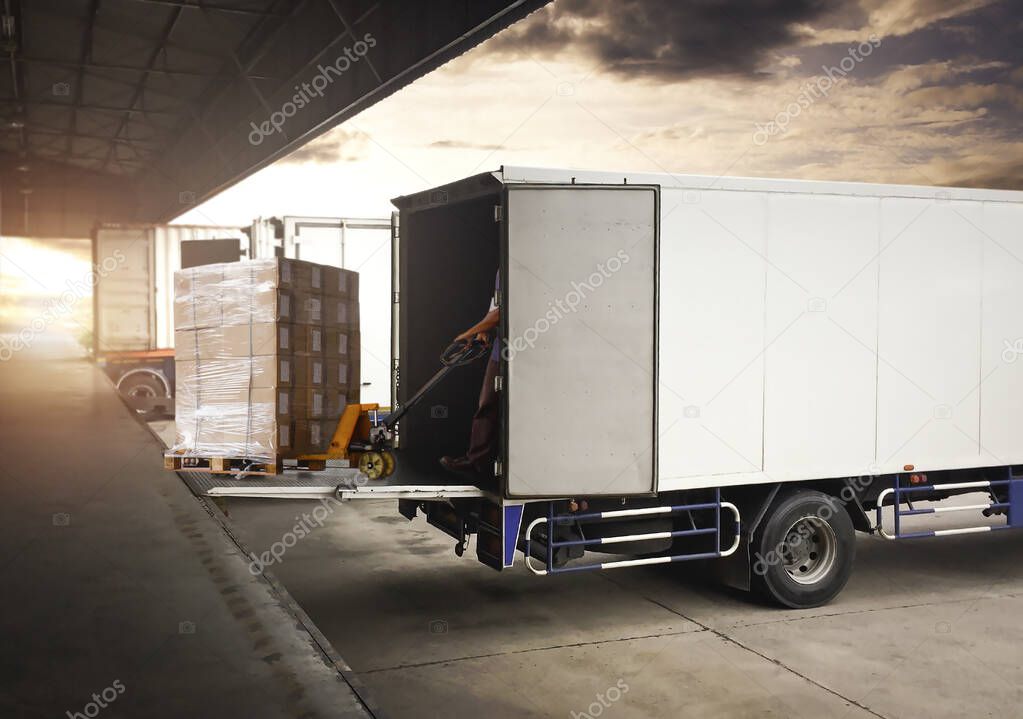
pixel 266 357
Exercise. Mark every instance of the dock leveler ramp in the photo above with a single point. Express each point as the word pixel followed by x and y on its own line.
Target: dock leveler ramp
pixel 740 370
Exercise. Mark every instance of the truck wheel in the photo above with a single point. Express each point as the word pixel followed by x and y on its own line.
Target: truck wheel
pixel 803 552
pixel 142 386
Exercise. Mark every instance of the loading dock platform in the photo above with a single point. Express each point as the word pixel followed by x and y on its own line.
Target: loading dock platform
pixel 119 582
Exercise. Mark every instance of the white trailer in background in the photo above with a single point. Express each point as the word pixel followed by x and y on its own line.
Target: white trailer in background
pixel 133 301
pixel 744 370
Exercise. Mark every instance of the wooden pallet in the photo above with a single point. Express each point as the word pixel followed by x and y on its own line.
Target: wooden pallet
pixel 231 465
pixel 221 465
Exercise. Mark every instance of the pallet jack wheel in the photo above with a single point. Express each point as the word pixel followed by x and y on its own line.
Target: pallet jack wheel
pixel 373 465
pixel 388 463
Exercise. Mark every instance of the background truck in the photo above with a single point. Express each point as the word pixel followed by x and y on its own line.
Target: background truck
pixel 741 370
pixel 133 302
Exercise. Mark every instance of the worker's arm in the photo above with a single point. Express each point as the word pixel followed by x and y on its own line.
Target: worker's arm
pixel 481 328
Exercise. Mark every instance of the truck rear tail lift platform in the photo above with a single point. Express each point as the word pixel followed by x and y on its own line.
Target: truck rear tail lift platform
pixel 341 483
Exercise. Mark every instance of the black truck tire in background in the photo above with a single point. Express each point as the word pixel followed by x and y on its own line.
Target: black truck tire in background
pixel 803 552
pixel 145 386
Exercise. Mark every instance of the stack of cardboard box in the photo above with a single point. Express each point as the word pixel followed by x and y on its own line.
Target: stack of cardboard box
pixel 266 356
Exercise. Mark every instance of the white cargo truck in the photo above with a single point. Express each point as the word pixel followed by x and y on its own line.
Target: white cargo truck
pixel 743 370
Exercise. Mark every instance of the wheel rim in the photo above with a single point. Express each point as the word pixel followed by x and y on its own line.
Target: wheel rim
pixel 142 391
pixel 809 551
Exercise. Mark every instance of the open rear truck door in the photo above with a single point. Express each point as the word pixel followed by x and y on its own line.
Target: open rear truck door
pixel 579 320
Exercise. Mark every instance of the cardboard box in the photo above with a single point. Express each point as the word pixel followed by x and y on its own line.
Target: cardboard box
pixel 340 312
pixel 311 436
pixel 308 402
pixel 262 402
pixel 229 341
pixel 337 373
pixel 232 430
pixel 198 297
pixel 340 342
pixel 308 308
pixel 261 371
pixel 273 273
pixel 337 400
pixel 307 339
pixel 257 305
pixel 307 371
pixel 340 283
pixel 257 442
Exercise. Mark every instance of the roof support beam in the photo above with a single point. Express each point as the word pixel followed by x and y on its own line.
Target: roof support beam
pixel 34 129
pixel 90 107
pixel 140 89
pixel 84 55
pixel 181 4
pixel 113 67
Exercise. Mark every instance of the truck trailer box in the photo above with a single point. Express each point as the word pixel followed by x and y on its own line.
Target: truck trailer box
pixel 666 332
pixel 133 299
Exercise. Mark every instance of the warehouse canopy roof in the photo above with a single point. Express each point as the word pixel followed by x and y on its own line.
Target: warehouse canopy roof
pixel 135 109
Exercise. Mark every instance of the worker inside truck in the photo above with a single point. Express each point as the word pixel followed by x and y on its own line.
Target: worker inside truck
pixel 483 437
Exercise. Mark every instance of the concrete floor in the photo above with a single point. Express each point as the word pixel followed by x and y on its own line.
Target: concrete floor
pixel 123 596
pixel 139 584
pixel 924 629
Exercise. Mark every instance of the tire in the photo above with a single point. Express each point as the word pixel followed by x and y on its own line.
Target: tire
pixel 803 552
pixel 143 385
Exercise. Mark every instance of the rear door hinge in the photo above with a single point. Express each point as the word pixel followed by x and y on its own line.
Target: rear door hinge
pixel 498 383
pixel 498 468
pixel 395 298
pixel 498 213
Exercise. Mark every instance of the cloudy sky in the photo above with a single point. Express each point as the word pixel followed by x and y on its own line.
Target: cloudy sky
pixel 923 92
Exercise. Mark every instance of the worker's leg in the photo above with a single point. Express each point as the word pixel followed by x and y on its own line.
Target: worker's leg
pixel 483 438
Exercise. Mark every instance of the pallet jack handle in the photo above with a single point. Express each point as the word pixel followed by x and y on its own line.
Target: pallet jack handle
pixel 458 353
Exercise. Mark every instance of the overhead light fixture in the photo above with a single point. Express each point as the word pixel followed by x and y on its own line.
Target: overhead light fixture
pixel 23 168
pixel 15 124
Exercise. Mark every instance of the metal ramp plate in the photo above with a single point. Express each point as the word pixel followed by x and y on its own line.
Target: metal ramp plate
pixel 333 482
